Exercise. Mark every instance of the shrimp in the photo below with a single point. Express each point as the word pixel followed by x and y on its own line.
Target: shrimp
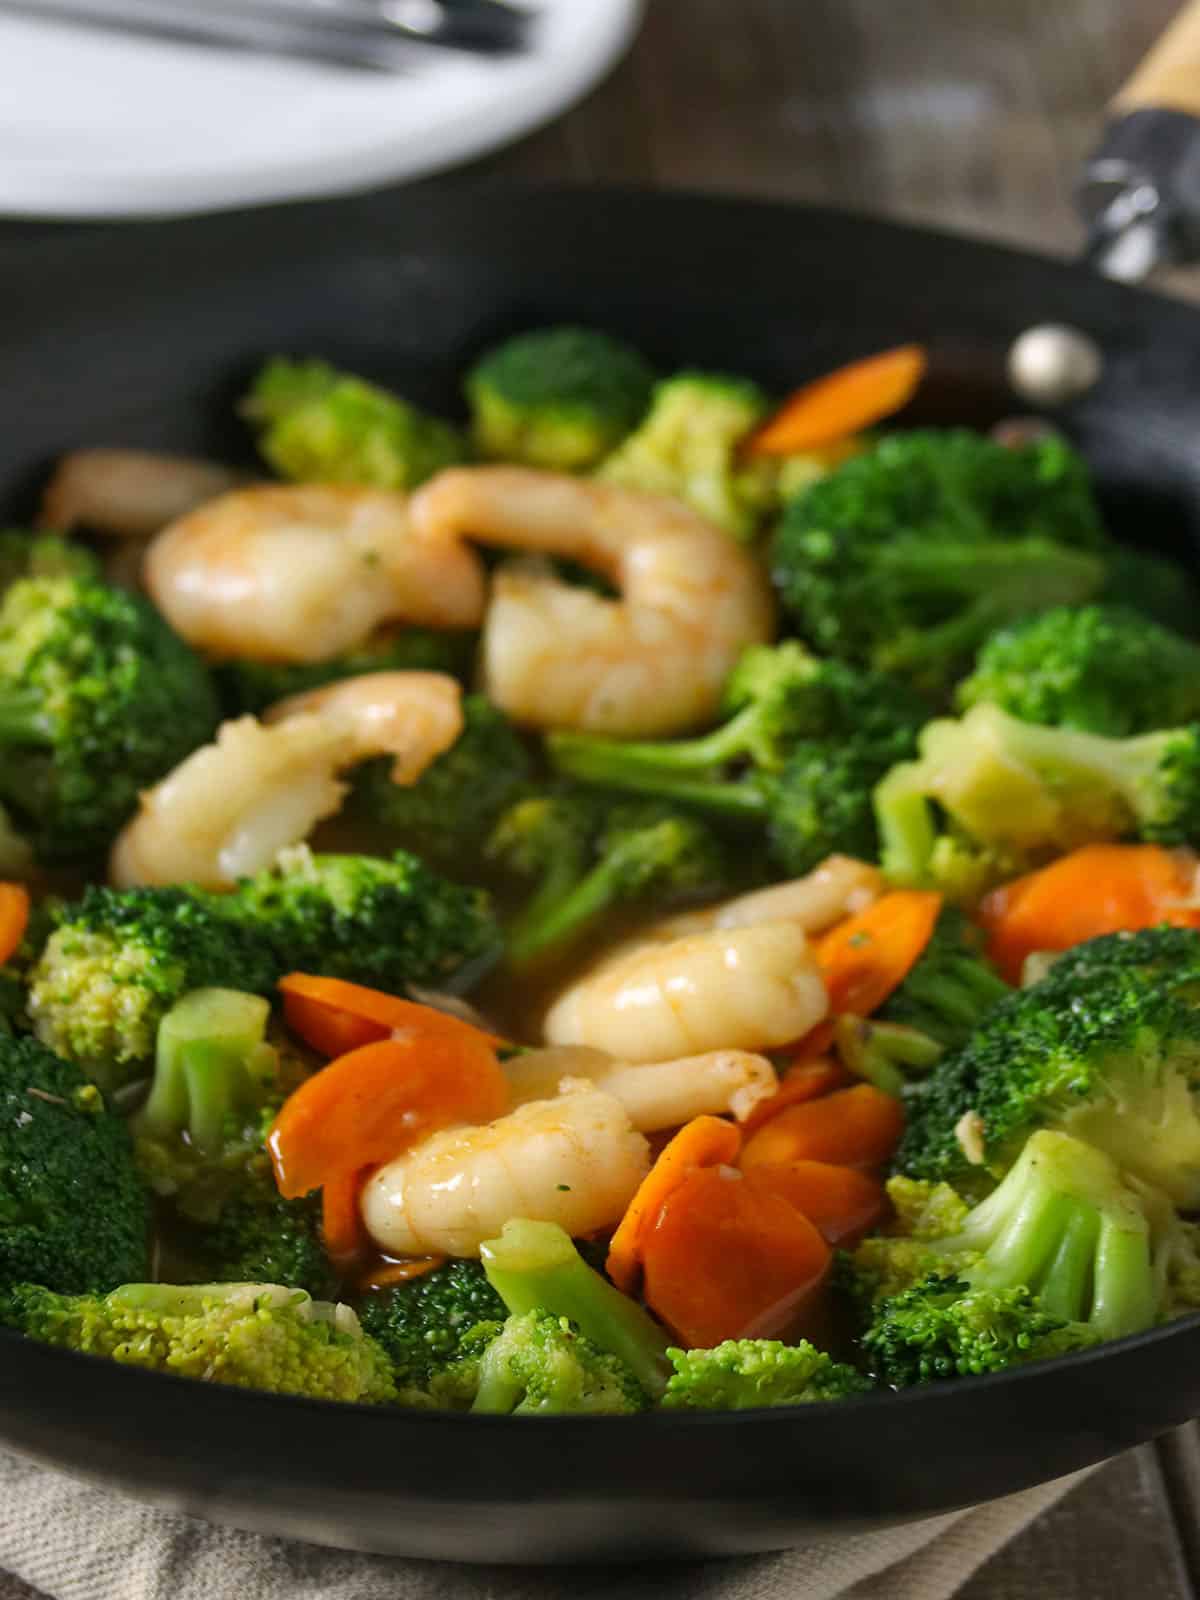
pixel 559 656
pixel 302 572
pixel 129 494
pixel 230 808
pixel 724 989
pixel 657 1095
pixel 838 888
pixel 575 1160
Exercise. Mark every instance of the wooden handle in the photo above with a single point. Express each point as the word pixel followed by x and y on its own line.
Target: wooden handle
pixel 1169 77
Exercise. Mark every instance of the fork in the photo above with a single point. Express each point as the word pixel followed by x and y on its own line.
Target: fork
pixel 387 35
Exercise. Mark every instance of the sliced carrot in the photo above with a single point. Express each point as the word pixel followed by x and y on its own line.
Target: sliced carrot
pixel 843 402
pixel 841 1202
pixel 393 1272
pixel 335 1016
pixel 868 955
pixel 346 1241
pixel 1102 888
pixel 375 1102
pixel 807 1080
pixel 729 1258
pixel 857 1127
pixel 14 918
pixel 702 1142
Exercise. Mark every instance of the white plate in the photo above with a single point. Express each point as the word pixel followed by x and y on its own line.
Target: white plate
pixel 99 124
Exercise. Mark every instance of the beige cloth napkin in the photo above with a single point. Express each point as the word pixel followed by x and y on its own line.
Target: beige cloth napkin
pixel 74 1542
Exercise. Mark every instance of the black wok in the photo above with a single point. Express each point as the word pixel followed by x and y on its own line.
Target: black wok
pixel 143 337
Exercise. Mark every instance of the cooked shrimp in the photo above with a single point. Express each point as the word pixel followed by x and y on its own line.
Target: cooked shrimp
pixel 130 494
pixel 575 1160
pixel 657 1094
pixel 725 989
pixel 413 716
pixel 301 572
pixel 231 806
pixel 559 656
pixel 838 888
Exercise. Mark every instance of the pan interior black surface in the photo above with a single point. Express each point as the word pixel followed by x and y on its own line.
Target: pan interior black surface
pixel 143 337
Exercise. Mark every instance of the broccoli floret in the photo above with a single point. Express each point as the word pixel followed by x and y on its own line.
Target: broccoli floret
pixel 812 739
pixel 588 859
pixel 318 425
pixel 687 446
pixel 1106 1047
pixel 98 699
pixel 119 960
pixel 388 922
pixel 905 558
pixel 534 1266
pixel 73 1212
pixel 44 555
pixel 248 687
pixel 559 398
pixel 1060 1256
pixel 446 816
pixel 1015 794
pixel 744 1373
pixel 258 1236
pixel 540 1364
pixel 1159 588
pixel 424 1324
pixel 252 1335
pixel 1102 669
pixel 952 986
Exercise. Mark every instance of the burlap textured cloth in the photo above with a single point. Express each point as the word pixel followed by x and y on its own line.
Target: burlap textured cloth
pixel 74 1542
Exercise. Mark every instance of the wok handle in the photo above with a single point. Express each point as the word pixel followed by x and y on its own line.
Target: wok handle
pixel 1168 77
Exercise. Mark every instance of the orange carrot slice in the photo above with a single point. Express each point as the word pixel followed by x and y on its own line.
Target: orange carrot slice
pixel 346 1241
pixel 807 1080
pixel 868 955
pixel 335 1016
pixel 375 1102
pixel 1102 888
pixel 841 1202
pixel 729 1258
pixel 14 918
pixel 702 1142
pixel 841 403
pixel 857 1127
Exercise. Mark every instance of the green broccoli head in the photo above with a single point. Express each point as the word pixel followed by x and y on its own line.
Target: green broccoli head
pixel 906 557
pixel 318 425
pixel 446 816
pixel 73 1212
pixel 257 1237
pixel 1121 1071
pixel 745 1373
pixel 44 555
pixel 1101 669
pixel 540 1364
pixel 424 1324
pixel 1159 588
pixel 252 1335
pixel 560 398
pixel 688 447
pixel 951 988
pixel 98 699
pixel 248 687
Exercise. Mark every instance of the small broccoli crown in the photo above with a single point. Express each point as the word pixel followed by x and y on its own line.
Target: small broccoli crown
pixel 252 1335
pixel 44 555
pixel 540 1364
pixel 318 425
pixel 687 446
pixel 248 687
pixel 1119 1072
pixel 73 1212
pixel 258 1237
pixel 745 1373
pixel 425 1324
pixel 448 813
pixel 369 919
pixel 559 398
pixel 906 557
pixel 1159 588
pixel 1102 669
pixel 101 699
pixel 952 986
pixel 120 959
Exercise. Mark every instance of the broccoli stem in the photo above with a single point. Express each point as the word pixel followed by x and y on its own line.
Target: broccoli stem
pixel 903 815
pixel 605 762
pixel 706 754
pixel 961 992
pixel 535 1266
pixel 556 918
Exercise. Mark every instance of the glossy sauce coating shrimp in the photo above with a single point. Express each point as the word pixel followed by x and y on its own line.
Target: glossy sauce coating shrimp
pixel 559 656
pixel 575 1160
pixel 129 494
pixel 301 572
pixel 231 806
pixel 724 989
pixel 656 1094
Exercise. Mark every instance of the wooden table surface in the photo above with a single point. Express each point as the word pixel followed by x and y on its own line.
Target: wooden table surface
pixel 966 114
